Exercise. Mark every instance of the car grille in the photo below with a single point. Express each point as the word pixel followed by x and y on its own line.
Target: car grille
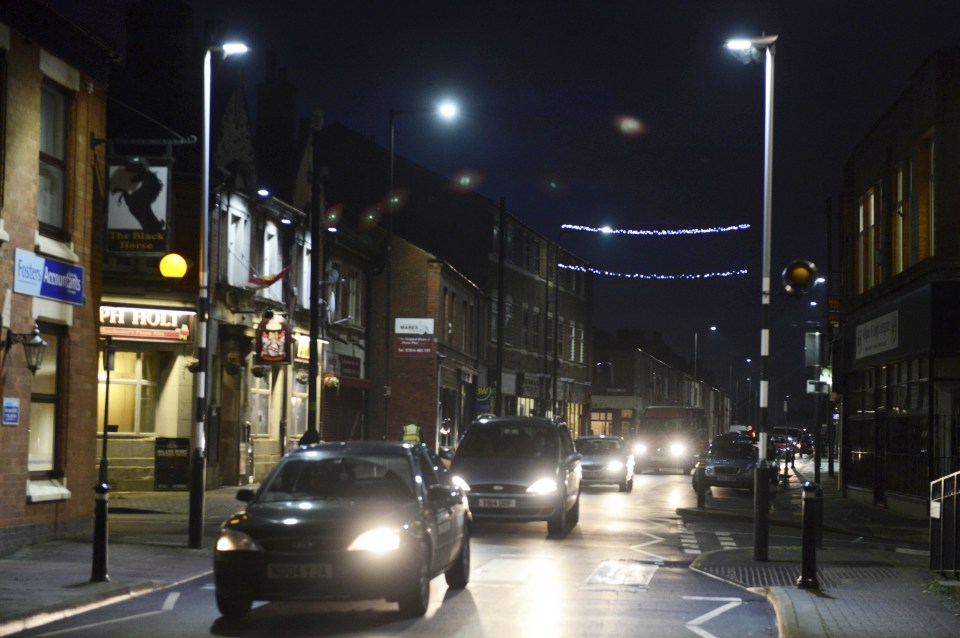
pixel 593 467
pixel 726 469
pixel 305 545
pixel 498 489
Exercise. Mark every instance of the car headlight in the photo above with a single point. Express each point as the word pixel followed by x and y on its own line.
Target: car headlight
pixel 614 466
pixel 230 540
pixel 543 486
pixel 709 471
pixel 462 484
pixel 639 448
pixel 378 540
pixel 678 449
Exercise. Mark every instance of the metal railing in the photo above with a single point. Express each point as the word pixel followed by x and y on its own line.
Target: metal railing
pixel 944 530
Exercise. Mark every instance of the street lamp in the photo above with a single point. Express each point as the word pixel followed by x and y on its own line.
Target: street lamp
pixel 696 338
pixel 747 51
pixel 447 110
pixel 102 489
pixel 198 465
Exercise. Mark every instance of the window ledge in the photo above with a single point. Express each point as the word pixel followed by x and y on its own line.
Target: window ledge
pixel 4 235
pixel 44 490
pixel 56 249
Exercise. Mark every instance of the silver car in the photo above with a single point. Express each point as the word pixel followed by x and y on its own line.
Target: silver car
pixel 606 460
pixel 520 469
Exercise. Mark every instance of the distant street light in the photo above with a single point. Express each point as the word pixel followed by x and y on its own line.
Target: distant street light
pixel 198 474
pixel 447 110
pixel 748 51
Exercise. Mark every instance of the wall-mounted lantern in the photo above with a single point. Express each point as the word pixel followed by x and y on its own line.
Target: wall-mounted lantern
pixel 33 344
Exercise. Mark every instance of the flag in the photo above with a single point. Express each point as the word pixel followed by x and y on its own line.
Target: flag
pixel 255 281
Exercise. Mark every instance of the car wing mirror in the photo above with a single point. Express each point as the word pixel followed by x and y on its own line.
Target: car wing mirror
pixel 245 494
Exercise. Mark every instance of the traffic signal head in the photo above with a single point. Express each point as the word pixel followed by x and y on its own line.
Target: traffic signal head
pixel 799 276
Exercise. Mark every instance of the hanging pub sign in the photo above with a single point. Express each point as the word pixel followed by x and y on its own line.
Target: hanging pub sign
pixel 138 205
pixel 274 341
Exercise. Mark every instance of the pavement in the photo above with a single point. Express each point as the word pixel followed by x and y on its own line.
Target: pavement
pixel 869 576
pixel 872 573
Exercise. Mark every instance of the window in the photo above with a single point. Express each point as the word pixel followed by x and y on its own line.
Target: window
pixel 573 342
pixel 901 221
pixel 298 404
pixel 305 272
pixel 51 194
pixel 42 458
pixel 237 264
pixel 508 324
pixel 346 301
pixel 925 199
pixel 525 328
pixel 272 261
pixel 133 392
pixel 260 403
pixel 3 118
pixel 535 330
pixel 867 240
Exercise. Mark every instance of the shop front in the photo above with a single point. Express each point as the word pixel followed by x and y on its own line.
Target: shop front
pixel 150 391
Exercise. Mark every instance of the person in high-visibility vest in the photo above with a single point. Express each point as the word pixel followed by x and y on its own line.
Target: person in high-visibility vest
pixel 412 433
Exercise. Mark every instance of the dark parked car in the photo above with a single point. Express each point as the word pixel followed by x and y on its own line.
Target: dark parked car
pixel 605 460
pixel 730 462
pixel 345 520
pixel 520 469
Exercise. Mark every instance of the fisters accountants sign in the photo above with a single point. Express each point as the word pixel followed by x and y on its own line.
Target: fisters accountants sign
pixel 125 323
pixel 40 277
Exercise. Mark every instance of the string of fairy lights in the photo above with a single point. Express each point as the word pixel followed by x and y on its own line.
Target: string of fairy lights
pixel 607 230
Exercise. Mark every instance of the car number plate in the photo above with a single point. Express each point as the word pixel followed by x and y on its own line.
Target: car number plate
pixel 498 502
pixel 307 570
pixel 726 477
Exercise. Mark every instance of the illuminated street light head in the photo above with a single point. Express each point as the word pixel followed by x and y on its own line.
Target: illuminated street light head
pixel 448 110
pixel 749 50
pixel 234 48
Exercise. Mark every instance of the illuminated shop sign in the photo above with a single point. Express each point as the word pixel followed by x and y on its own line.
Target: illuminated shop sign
pixel 127 323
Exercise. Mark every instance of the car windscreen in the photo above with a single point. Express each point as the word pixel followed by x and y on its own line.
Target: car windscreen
pixel 732 451
pixel 508 441
pixel 312 478
pixel 598 446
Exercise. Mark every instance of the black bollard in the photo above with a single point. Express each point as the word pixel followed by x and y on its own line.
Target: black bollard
pixel 701 479
pixel 808 572
pixel 761 511
pixel 786 475
pixel 818 507
pixel 98 573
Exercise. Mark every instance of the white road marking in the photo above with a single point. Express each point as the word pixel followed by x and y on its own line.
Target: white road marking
pixel 654 540
pixel 694 625
pixel 171 601
pixel 102 624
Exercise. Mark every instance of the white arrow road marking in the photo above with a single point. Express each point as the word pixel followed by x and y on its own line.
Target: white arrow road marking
pixel 694 625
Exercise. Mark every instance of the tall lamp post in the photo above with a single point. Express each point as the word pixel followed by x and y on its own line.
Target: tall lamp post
pixel 696 340
pixel 198 468
pixel 446 110
pixel 751 50
pixel 99 569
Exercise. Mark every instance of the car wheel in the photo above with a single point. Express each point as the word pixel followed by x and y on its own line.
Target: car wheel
pixel 458 575
pixel 233 606
pixel 415 598
pixel 629 485
pixel 573 516
pixel 558 522
pixel 626 484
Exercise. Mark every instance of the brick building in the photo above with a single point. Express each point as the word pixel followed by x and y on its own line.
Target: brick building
pixel 52 101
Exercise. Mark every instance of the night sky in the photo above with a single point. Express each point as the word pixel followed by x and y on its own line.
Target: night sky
pixel 545 86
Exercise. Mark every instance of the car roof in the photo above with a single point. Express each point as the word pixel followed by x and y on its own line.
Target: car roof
pixel 356 447
pixel 535 421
